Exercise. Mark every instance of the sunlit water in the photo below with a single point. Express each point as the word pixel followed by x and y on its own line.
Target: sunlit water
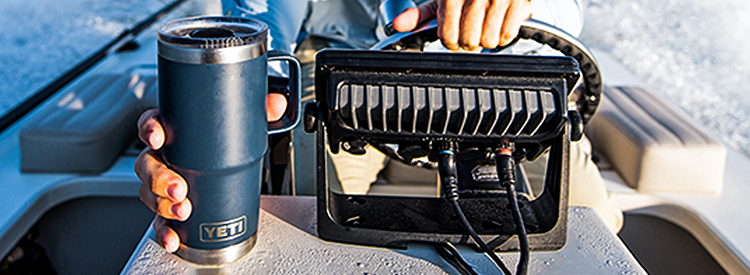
pixel 41 39
pixel 692 53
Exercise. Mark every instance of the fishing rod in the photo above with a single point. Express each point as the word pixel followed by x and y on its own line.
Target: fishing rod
pixel 122 42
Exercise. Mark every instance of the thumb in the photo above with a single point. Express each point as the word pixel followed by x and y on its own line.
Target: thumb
pixel 412 17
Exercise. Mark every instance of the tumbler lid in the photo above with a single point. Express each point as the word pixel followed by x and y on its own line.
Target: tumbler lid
pixel 212 40
pixel 214 32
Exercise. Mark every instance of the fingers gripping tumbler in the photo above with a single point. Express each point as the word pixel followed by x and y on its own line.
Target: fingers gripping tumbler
pixel 212 99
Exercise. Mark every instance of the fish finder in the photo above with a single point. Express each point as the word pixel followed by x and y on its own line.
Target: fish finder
pixel 418 105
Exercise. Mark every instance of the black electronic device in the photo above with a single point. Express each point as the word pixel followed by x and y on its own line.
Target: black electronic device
pixel 421 102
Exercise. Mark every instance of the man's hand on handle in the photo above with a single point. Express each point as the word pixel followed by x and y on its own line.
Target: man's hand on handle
pixel 469 24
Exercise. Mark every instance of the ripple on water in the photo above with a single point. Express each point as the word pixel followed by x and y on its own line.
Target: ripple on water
pixel 687 53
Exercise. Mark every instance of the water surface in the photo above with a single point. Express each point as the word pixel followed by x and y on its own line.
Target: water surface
pixel 41 39
pixel 692 53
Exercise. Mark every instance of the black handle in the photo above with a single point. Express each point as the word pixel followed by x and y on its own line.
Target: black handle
pixel 292 114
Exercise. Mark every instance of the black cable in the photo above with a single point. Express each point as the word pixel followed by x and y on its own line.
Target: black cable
pixel 507 175
pixel 448 174
pixel 479 241
pixel 523 241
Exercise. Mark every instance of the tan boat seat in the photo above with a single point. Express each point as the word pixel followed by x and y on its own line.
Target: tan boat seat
pixel 653 148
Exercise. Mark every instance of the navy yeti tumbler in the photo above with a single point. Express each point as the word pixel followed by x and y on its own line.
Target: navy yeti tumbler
pixel 212 91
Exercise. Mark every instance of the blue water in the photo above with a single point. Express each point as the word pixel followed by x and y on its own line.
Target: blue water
pixel 41 39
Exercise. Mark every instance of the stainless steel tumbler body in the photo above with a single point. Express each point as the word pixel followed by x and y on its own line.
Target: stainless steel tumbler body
pixel 212 98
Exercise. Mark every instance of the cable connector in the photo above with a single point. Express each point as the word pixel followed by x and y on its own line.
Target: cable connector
pixel 448 174
pixel 506 167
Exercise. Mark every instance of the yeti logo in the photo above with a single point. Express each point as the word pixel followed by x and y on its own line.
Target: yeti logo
pixel 223 231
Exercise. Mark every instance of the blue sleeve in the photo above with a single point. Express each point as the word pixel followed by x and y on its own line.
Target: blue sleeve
pixel 283 17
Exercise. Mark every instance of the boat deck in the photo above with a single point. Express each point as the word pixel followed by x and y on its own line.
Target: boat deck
pixel 288 244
